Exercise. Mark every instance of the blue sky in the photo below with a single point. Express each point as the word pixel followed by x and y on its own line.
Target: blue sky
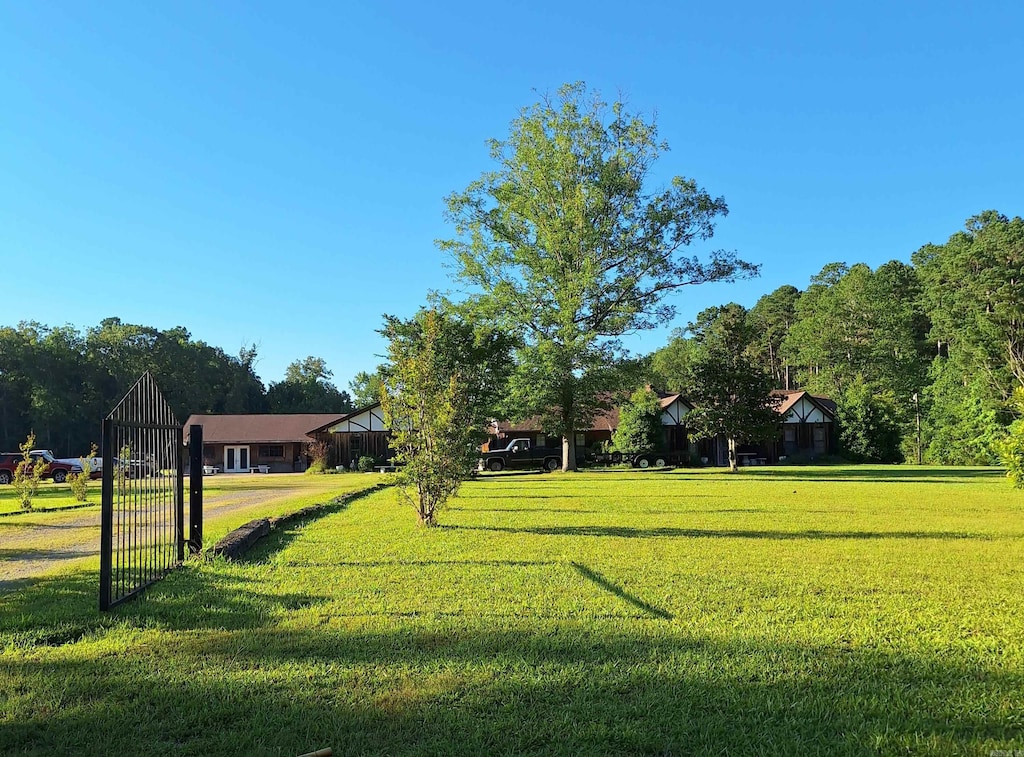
pixel 275 173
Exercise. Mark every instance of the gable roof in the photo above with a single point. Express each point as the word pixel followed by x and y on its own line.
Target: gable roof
pixel 258 428
pixel 790 398
pixel 336 419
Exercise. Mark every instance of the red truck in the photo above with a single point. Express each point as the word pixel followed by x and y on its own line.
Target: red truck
pixel 57 470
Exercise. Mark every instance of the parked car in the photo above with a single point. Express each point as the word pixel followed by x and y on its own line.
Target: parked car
pixel 56 470
pixel 95 463
pixel 135 468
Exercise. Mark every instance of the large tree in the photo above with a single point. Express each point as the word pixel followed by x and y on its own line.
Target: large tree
pixel 307 388
pixel 574 246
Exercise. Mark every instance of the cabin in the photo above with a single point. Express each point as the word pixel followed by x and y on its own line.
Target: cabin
pixel 602 427
pixel 358 434
pixel 806 429
pixel 272 442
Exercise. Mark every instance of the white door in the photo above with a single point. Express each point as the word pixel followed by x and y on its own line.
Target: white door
pixel 236 459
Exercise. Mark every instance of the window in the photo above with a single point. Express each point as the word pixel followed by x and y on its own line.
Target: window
pixel 581 440
pixel 356 443
pixel 271 450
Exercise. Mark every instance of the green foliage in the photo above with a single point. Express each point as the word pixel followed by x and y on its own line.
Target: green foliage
pixel 365 388
pixel 441 384
pixel 572 247
pixel 640 426
pixel 734 391
pixel 963 421
pixel 770 321
pixel 365 464
pixel 868 424
pixel 28 473
pixel 316 451
pixel 79 482
pixel 669 367
pixel 307 388
pixel 1011 447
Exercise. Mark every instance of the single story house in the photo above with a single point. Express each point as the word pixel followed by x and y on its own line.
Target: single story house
pixel 237 443
pixel 674 409
pixel 807 429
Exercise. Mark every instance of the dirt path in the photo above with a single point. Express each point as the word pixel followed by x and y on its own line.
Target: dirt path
pixel 42 543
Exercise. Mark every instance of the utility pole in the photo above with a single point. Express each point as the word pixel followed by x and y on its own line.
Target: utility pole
pixel 917 412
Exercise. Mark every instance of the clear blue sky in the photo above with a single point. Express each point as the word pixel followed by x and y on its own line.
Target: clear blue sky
pixel 274 173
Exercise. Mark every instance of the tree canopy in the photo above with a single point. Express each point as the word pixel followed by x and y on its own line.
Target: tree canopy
pixel 573 246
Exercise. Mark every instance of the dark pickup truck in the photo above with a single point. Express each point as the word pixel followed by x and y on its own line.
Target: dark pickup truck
pixel 520 454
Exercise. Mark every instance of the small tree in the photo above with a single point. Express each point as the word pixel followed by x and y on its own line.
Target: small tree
pixel 640 426
pixel 1011 449
pixel 317 453
pixel 440 386
pixel 734 390
pixel 79 482
pixel 28 474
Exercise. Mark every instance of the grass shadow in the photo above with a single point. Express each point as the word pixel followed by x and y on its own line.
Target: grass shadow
pixel 618 591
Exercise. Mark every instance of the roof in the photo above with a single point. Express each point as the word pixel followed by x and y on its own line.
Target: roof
pixel 267 428
pixel 334 420
pixel 790 397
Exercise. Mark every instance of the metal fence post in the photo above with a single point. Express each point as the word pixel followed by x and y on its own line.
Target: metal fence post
pixel 195 488
pixel 106 513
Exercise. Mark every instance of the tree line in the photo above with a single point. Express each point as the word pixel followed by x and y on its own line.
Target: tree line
pixel 59 382
pixel 921 358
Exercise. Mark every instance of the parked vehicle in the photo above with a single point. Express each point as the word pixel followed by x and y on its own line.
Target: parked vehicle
pixel 95 463
pixel 522 454
pixel 656 459
pixel 56 469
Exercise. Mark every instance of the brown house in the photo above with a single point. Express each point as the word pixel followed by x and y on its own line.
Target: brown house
pixel 674 408
pixel 361 433
pixel 239 443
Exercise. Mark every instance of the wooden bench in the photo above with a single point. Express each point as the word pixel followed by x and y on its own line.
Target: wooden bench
pixel 260 469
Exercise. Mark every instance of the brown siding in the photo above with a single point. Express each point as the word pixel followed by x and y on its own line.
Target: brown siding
pixel 342 451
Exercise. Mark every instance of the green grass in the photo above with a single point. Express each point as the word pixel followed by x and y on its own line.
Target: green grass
pixel 779 611
pixel 50 496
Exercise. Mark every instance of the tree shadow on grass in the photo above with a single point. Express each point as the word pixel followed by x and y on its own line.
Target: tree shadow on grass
pixel 454 690
pixel 889 475
pixel 626 532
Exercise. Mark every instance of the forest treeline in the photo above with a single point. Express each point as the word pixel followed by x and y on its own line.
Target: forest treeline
pixel 60 382
pixel 938 342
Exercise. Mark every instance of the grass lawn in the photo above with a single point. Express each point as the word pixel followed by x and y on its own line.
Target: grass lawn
pixel 778 611
pixel 50 496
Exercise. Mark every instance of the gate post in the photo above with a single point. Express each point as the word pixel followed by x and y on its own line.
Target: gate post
pixel 195 488
pixel 107 513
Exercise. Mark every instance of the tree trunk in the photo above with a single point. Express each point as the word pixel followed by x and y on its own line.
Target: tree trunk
pixel 732 455
pixel 569 452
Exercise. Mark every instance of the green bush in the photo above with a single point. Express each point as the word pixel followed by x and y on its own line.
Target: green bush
pixel 1011 448
pixel 366 463
pixel 317 468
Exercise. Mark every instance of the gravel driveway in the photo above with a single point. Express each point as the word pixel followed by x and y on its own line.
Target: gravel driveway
pixel 40 543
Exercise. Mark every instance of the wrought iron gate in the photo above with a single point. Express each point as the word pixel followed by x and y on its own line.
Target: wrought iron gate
pixel 142 526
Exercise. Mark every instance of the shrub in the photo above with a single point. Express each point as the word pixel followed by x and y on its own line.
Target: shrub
pixel 79 482
pixel 1011 448
pixel 26 475
pixel 366 464
pixel 317 453
pixel 316 467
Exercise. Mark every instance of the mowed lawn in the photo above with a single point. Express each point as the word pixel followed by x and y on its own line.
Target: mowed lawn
pixel 777 611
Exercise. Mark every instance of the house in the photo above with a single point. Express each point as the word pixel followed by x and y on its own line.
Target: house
pixel 807 428
pixel 358 434
pixel 808 424
pixel 237 443
pixel 674 409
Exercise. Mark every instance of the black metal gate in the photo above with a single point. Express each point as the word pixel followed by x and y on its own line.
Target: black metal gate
pixel 142 527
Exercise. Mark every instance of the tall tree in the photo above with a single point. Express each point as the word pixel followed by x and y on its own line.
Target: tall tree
pixel 307 388
pixel 640 428
pixel 365 387
pixel 731 390
pixel 771 319
pixel 574 248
